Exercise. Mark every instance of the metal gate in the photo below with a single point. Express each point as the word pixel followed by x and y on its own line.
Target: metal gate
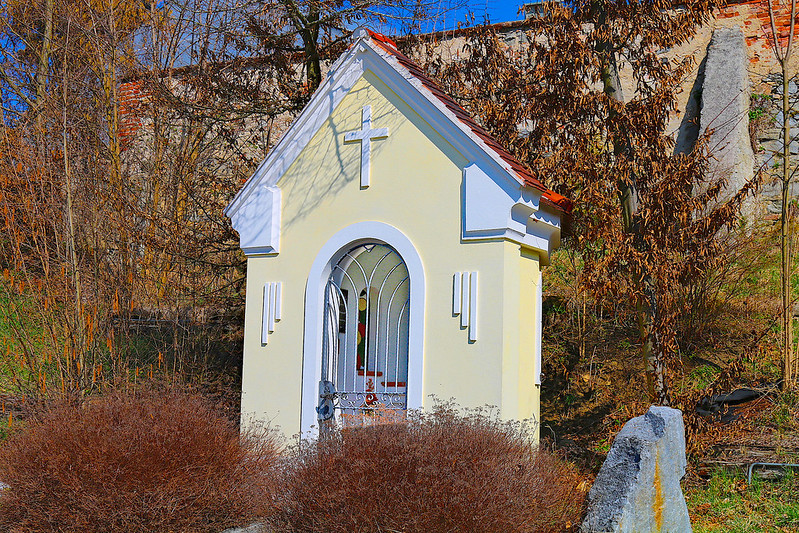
pixel 365 344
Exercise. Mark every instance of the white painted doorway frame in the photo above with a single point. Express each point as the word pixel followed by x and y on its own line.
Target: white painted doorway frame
pixel 328 256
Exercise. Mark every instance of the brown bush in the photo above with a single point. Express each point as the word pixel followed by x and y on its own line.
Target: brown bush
pixel 433 473
pixel 152 461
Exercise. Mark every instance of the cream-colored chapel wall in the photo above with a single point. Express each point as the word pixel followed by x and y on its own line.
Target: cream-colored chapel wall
pixel 416 187
pixel 528 278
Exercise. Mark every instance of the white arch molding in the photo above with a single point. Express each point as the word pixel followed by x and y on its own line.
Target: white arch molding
pixel 328 256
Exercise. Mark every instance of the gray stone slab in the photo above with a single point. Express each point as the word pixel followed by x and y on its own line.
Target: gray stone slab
pixel 772 190
pixel 725 110
pixel 638 488
pixel 777 83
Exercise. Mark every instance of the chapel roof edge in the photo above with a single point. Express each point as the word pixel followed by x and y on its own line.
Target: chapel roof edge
pixel 510 164
pixel 380 45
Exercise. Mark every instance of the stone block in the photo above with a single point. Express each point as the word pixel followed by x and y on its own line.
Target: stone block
pixel 725 110
pixel 774 207
pixel 638 488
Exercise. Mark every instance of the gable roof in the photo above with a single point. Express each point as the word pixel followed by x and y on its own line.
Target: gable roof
pixel 376 52
pixel 521 172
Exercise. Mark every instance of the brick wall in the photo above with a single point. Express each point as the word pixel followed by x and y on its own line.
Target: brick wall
pixel 132 96
pixel 753 17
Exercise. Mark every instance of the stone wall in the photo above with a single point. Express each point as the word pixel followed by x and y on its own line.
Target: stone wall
pixel 766 125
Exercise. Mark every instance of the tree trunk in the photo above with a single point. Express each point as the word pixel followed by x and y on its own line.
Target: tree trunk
pixel 783 57
pixel 788 373
pixel 310 38
pixel 646 307
pixel 43 71
pixel 77 337
pixel 308 28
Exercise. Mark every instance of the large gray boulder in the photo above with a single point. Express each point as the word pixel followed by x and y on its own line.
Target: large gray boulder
pixel 725 111
pixel 638 488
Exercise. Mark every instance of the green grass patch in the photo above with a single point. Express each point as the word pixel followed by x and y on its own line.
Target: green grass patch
pixel 703 376
pixel 24 333
pixel 728 504
pixel 5 427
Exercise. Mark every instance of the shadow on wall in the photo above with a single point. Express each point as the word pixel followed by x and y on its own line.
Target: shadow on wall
pixel 689 126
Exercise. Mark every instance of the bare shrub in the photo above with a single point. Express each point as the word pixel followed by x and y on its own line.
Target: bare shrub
pixel 435 472
pixel 134 462
pixel 724 299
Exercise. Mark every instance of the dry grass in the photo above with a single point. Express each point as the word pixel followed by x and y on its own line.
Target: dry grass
pixel 435 472
pixel 149 461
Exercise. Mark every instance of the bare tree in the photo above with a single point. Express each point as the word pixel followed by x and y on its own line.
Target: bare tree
pixel 640 230
pixel 783 55
pixel 112 206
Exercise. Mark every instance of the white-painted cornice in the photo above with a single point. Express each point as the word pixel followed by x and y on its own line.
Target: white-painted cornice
pixel 514 211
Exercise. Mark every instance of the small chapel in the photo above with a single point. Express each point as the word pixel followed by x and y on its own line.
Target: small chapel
pixel 394 255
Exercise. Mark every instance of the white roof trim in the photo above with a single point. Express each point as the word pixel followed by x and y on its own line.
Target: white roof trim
pixel 342 76
pixel 465 145
pixel 344 73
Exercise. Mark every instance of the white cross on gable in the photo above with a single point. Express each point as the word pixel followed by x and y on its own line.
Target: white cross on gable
pixel 365 136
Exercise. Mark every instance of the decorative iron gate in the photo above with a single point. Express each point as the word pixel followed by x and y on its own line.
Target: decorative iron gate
pixel 365 344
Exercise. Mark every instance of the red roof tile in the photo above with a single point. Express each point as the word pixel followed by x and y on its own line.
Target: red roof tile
pixel 522 173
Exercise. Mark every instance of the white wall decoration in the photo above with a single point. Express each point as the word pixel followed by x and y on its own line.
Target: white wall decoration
pixel 258 222
pixel 464 301
pixel 502 209
pixel 365 135
pixel 272 310
pixel 539 309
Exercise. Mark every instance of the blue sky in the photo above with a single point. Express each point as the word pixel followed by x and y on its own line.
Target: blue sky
pixel 496 10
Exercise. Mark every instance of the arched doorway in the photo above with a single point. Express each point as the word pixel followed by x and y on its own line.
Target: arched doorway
pixel 321 327
pixel 365 335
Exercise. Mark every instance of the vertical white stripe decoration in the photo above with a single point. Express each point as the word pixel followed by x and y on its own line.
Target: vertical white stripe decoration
pixel 464 301
pixel 456 293
pixel 278 300
pixel 265 316
pixel 271 319
pixel 473 307
pixel 539 317
pixel 272 309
